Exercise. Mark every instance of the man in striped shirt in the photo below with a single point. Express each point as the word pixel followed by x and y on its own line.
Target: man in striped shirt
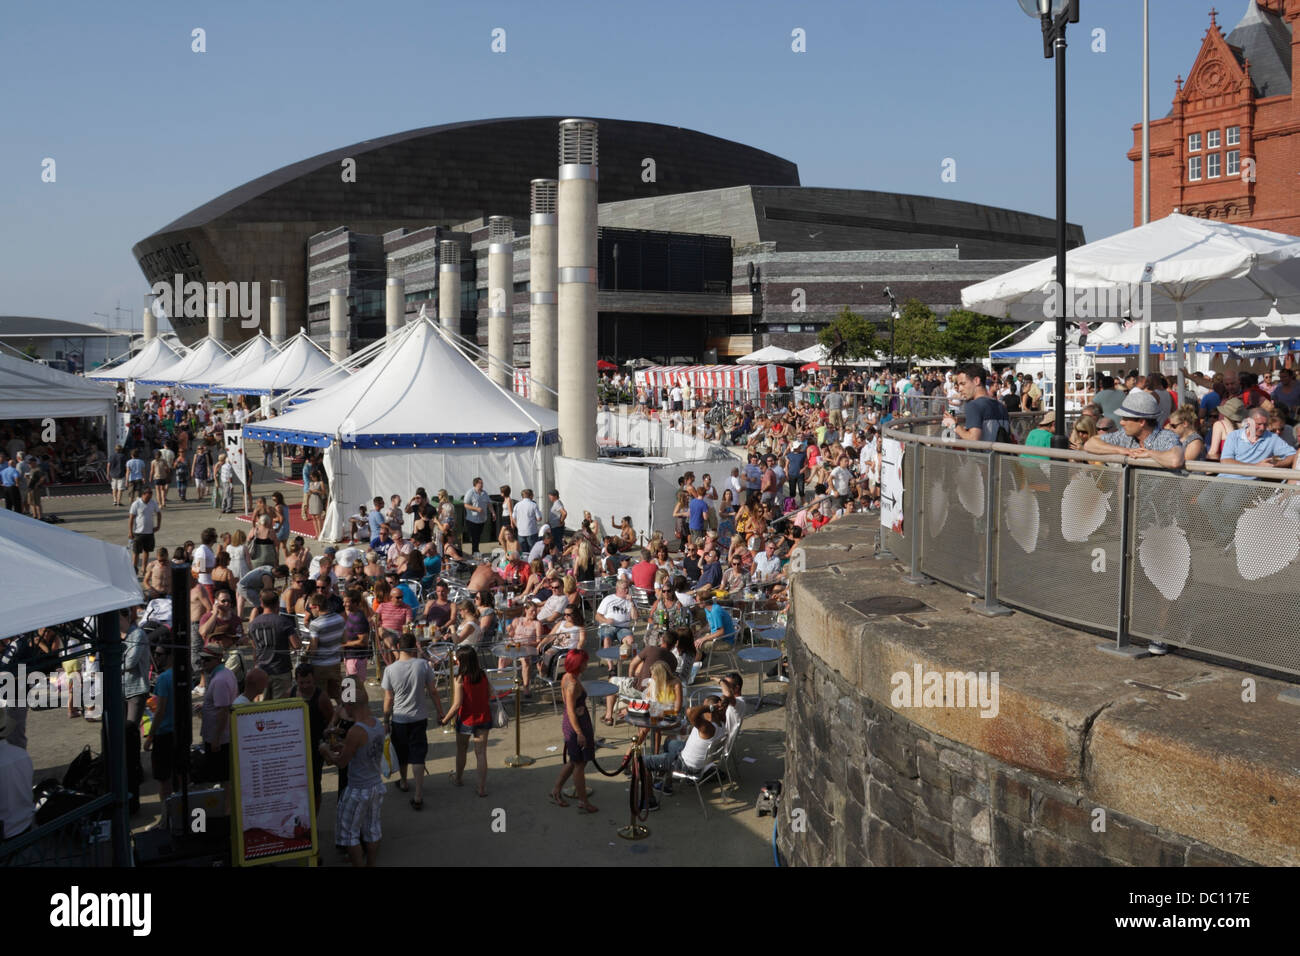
pixel 325 649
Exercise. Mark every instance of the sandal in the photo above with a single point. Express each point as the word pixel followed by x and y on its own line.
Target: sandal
pixel 417 804
pixel 557 799
pixel 587 808
pixel 452 777
pixel 403 786
pixel 607 721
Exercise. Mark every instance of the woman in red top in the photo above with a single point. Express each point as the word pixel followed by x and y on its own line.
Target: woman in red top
pixel 473 714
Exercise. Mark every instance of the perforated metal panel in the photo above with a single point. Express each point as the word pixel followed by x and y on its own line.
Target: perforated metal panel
pixel 1066 569
pixel 1215 567
pixel 953 509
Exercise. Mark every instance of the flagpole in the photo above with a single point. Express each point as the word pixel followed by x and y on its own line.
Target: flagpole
pixel 1144 331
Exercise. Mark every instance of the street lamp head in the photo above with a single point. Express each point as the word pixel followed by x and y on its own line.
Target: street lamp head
pixel 888 293
pixel 1044 8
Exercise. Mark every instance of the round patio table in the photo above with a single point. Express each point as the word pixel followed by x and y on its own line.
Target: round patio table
pixel 760 656
pixel 516 652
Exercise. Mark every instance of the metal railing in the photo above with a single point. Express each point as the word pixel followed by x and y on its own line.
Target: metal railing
pixel 1107 543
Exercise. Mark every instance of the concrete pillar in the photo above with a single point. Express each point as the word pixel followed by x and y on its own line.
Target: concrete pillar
pixel 338 325
pixel 215 319
pixel 541 280
pixel 394 301
pixel 449 285
pixel 501 292
pixel 148 320
pixel 576 306
pixel 278 326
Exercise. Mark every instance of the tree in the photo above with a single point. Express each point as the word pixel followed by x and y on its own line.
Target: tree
pixel 916 333
pixel 848 337
pixel 969 335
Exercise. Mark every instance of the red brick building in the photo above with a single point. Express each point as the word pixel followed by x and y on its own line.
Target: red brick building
pixel 1230 147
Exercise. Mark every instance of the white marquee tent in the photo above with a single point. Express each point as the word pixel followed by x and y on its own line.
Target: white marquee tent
pixel 30 390
pixel 153 361
pixel 419 414
pixel 38 559
pixel 245 362
pixel 300 362
pixel 204 361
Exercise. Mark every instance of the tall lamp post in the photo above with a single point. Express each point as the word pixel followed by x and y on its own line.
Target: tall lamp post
pixel 1054 15
pixel 893 317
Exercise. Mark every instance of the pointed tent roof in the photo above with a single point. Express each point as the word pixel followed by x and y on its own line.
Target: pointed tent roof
pixel 1262 38
pixel 250 357
pixel 418 392
pixel 196 369
pixel 770 354
pixel 300 361
pixel 31 390
pixel 152 361
pixel 37 559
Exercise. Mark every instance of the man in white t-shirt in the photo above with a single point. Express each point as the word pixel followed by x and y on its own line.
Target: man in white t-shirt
pixel 616 615
pixel 691 754
pixel 205 558
pixel 145 518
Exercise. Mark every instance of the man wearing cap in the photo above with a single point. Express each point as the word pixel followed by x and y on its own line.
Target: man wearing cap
pixel 1140 435
pixel 1041 436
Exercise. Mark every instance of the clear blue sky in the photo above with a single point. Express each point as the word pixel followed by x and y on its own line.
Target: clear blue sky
pixel 143 130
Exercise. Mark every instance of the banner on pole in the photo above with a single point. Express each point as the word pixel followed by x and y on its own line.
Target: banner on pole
pixel 235 453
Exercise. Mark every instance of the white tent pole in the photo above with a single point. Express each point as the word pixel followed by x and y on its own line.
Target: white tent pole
pixel 1182 357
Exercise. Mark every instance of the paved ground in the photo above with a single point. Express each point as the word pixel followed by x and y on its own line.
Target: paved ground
pixel 456 826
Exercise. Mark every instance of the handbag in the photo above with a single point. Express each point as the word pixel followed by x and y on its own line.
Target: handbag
pixel 388 764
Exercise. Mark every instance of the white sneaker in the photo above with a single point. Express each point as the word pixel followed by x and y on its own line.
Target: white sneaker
pixel 1157 648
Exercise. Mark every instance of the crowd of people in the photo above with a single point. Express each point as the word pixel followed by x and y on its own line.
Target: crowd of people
pixel 424 592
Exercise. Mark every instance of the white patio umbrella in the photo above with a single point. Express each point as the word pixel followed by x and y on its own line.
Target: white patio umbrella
pixel 1174 269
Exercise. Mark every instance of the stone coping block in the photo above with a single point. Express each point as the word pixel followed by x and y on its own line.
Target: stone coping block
pixel 1200 749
